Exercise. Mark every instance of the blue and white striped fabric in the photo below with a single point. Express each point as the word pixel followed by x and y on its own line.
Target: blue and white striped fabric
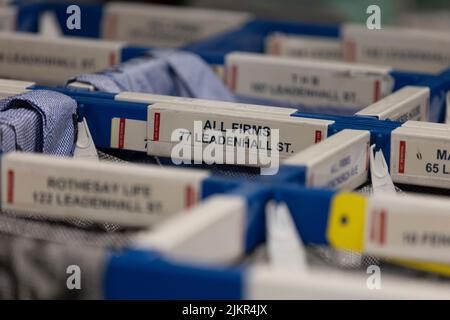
pixel 38 121
pixel 166 72
pixel 101 82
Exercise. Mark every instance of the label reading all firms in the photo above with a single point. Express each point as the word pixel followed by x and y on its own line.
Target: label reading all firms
pixel 420 160
pixel 53 61
pixel 124 194
pixel 295 134
pixel 408 227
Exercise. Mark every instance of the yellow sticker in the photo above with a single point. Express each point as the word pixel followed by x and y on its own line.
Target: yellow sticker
pixel 345 228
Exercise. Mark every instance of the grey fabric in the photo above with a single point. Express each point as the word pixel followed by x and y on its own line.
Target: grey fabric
pixel 62 232
pixel 35 255
pixel 107 157
pixel 346 259
pixel 31 269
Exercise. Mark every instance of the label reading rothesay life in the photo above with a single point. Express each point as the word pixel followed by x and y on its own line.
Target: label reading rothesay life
pixel 132 195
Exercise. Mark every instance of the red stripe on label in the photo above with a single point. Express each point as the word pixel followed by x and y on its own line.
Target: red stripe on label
pixel 156 121
pixel 233 78
pixel 350 51
pixel 401 157
pixel 318 136
pixel 14 23
pixel 427 108
pixel 367 157
pixel 311 180
pixel 377 91
pixel 112 59
pixel 121 133
pixel 225 76
pixel 190 197
pixel 373 226
pixel 383 222
pixel 10 187
pixel 276 49
pixel 111 28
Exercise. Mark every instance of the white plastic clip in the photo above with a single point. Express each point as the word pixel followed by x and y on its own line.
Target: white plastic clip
pixel 49 26
pixel 85 147
pixel 285 247
pixel 381 179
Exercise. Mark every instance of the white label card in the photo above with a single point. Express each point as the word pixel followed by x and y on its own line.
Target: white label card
pixel 421 159
pixel 408 103
pixel 198 234
pixel 345 172
pixel 131 195
pixel 170 125
pixel 165 26
pixel 401 48
pixel 53 60
pixel 128 134
pixel 305 82
pixel 339 162
pixel 408 227
pixel 321 48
